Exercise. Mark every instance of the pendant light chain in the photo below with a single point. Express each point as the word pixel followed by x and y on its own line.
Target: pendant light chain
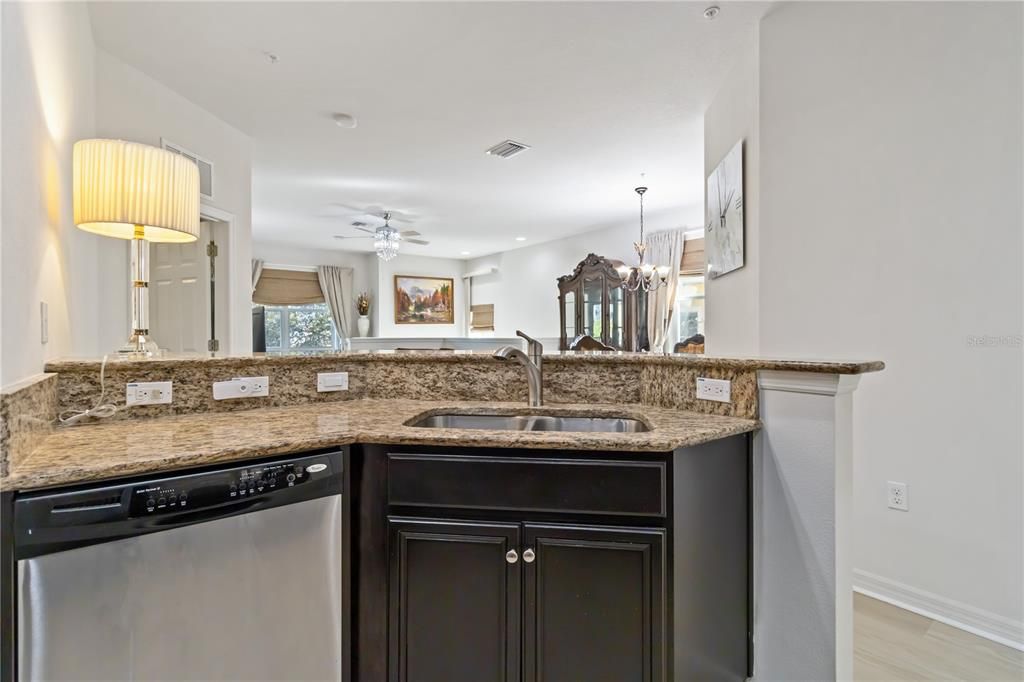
pixel 640 277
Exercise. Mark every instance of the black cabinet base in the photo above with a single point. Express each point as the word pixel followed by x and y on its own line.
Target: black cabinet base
pixel 451 590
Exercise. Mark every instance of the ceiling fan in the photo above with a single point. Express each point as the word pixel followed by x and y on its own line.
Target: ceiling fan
pixel 386 239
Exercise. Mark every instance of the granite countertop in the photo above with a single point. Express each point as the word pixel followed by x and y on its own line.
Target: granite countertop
pixel 123 448
pixel 433 356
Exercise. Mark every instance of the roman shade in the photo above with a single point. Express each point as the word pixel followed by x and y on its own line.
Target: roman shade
pixel 481 317
pixel 693 257
pixel 287 287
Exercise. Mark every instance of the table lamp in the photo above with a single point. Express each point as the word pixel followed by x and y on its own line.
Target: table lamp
pixel 134 191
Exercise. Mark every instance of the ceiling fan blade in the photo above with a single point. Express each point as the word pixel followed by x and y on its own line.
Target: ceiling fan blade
pixel 410 233
pixel 351 236
pixel 416 241
pixel 365 229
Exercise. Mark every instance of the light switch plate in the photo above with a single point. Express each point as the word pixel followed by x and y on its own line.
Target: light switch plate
pixel 719 390
pixel 241 387
pixel 331 381
pixel 44 322
pixel 149 393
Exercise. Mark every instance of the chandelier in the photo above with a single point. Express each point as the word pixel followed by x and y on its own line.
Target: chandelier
pixel 642 276
pixel 386 240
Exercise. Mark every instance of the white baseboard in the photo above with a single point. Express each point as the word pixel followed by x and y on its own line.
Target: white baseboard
pixel 977 621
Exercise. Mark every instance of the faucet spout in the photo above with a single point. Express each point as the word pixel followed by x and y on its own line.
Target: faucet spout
pixel 534 374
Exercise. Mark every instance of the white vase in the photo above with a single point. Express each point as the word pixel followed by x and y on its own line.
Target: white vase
pixel 363 325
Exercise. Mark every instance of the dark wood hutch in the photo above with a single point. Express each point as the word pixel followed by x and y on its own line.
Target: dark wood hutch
pixel 592 301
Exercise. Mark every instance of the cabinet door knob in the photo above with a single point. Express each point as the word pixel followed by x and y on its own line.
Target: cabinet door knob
pixel 529 555
pixel 511 556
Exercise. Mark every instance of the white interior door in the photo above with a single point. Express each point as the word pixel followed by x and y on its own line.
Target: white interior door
pixel 179 294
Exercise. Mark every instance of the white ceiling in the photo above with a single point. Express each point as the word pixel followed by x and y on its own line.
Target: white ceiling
pixel 602 91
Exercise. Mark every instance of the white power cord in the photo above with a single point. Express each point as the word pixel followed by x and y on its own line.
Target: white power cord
pixel 100 411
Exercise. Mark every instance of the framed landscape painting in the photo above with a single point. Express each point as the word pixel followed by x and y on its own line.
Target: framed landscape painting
pixel 424 300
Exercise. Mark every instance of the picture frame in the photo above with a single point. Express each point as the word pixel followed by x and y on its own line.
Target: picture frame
pixel 422 299
pixel 724 222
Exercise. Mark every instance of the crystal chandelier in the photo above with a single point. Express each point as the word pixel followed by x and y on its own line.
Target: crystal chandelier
pixel 386 240
pixel 643 276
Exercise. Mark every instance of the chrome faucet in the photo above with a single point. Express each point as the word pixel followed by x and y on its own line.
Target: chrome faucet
pixel 532 362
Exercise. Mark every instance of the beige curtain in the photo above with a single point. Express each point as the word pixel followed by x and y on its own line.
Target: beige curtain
pixel 336 285
pixel 257 270
pixel 663 249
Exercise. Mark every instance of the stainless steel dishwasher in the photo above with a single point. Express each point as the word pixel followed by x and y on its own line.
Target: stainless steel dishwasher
pixel 233 573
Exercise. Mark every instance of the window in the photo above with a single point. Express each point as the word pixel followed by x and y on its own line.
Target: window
pixel 300 328
pixel 689 306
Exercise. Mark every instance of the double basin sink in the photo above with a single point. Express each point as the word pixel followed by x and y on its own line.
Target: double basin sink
pixel 531 422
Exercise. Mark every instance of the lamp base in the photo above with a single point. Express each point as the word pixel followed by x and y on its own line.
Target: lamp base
pixel 139 344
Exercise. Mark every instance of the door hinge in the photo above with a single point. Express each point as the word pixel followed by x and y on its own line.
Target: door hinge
pixel 213 345
pixel 211 249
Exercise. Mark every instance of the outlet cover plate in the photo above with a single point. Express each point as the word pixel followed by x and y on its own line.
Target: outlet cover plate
pixel 719 390
pixel 897 496
pixel 241 387
pixel 331 381
pixel 149 393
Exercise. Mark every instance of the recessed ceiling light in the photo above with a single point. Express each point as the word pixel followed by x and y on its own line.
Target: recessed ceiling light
pixel 712 12
pixel 344 120
pixel 465 253
pixel 520 239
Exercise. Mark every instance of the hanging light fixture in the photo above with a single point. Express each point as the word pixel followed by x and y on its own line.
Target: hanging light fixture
pixel 642 276
pixel 386 240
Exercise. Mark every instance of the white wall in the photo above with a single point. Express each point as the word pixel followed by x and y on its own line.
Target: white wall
pixel 890 227
pixel 731 302
pixel 383 312
pixel 49 104
pixel 524 290
pixel 132 106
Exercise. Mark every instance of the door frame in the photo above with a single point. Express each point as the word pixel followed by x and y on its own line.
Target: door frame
pixel 224 222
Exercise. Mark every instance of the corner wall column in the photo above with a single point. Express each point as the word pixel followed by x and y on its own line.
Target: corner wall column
pixel 803 490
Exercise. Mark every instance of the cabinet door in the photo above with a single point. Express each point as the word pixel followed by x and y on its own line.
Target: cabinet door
pixel 454 601
pixel 594 604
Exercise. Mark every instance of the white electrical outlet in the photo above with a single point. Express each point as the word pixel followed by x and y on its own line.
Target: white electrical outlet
pixel 898 496
pixel 719 390
pixel 241 387
pixel 331 381
pixel 148 393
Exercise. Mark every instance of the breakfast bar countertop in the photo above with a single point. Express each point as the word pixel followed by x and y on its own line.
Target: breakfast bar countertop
pixel 101 451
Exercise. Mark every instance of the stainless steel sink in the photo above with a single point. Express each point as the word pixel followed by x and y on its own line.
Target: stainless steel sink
pixel 531 422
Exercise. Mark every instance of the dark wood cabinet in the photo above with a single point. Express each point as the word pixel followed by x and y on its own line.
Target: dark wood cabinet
pixel 594 604
pixel 454 601
pixel 479 564
pixel 592 607
pixel 592 302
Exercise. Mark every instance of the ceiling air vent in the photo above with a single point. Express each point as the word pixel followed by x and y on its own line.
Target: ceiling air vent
pixel 507 148
pixel 205 167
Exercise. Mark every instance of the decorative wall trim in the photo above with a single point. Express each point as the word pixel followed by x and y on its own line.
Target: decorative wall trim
pixel 991 626
pixel 806 382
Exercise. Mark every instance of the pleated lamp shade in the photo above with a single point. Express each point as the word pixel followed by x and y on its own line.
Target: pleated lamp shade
pixel 119 186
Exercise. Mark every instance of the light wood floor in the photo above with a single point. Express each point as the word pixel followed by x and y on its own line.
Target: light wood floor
pixel 894 644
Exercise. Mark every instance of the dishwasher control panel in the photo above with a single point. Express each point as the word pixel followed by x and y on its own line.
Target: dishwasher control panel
pixel 205 490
